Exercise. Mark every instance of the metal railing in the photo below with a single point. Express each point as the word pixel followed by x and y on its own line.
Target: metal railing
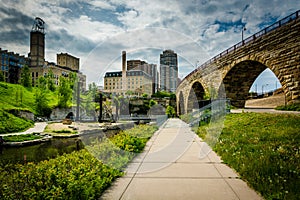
pixel 253 37
pixel 216 107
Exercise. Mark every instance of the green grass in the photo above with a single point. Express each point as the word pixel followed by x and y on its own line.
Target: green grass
pixel 79 175
pixel 14 96
pixel 21 138
pixel 10 123
pixel 265 150
pixel 17 97
pixel 291 107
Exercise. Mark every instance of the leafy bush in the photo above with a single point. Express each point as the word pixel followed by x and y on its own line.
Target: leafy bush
pixel 78 175
pixel 187 118
pixel 117 151
pixel 74 176
pixel 170 111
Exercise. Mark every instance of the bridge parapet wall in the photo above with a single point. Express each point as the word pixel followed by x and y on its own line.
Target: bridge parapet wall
pixel 237 69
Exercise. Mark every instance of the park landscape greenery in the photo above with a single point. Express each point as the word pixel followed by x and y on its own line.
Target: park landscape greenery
pixel 264 149
pixel 78 175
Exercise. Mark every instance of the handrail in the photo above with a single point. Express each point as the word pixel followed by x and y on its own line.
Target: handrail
pixel 253 37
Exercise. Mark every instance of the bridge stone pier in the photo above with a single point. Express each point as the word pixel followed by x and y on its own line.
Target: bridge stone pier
pixel 231 73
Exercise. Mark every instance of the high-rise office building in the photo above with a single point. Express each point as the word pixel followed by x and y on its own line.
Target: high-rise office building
pixel 168 71
pixel 150 69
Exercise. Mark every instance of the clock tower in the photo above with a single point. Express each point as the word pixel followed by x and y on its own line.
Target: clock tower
pixel 37 43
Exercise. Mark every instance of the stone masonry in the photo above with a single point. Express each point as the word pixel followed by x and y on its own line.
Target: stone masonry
pixel 231 74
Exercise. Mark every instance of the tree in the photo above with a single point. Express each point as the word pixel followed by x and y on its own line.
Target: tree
pixel 72 79
pixel 41 103
pixel 2 78
pixel 145 95
pixel 152 103
pixel 170 111
pixel 42 83
pixel 92 89
pixel 25 77
pixel 50 82
pixel 64 92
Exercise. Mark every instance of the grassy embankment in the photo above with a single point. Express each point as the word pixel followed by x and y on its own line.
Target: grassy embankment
pixel 84 174
pixel 14 98
pixel 265 150
pixel 21 138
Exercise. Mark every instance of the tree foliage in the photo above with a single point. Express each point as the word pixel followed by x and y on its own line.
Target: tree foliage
pixel 170 111
pixel 2 78
pixel 163 94
pixel 25 77
pixel 50 81
pixel 41 103
pixel 64 92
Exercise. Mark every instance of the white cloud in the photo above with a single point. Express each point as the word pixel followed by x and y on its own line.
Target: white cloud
pixel 101 5
pixel 193 20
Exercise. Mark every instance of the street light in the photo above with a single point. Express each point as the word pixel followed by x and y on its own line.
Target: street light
pixel 243 29
pixel 262 88
pixel 196 64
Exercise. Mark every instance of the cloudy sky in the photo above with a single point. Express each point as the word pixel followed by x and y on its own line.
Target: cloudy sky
pixel 97 31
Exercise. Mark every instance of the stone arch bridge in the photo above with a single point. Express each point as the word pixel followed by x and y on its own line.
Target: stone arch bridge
pixel 231 73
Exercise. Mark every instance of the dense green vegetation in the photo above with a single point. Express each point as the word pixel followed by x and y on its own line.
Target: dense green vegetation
pixel 291 107
pixel 164 94
pixel 21 138
pixel 264 149
pixel 39 100
pixel 9 123
pixel 79 175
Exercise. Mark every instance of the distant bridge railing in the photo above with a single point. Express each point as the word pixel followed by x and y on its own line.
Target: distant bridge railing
pixel 259 34
pixel 203 114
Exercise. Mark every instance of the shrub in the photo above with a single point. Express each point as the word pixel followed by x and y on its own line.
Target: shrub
pixel 78 175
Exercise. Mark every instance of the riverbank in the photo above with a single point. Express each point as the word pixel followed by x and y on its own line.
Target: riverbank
pixel 78 175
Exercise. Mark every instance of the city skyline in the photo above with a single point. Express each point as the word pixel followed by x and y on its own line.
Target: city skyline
pixel 86 29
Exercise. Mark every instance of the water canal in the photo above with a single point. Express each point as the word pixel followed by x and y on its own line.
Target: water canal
pixel 46 150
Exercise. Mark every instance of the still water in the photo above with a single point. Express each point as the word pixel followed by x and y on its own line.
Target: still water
pixel 46 150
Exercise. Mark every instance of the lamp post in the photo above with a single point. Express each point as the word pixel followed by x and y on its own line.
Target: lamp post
pixel 262 88
pixel 243 29
pixel 196 64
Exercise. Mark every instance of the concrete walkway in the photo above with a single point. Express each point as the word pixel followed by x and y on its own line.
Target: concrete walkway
pixel 38 128
pixel 176 164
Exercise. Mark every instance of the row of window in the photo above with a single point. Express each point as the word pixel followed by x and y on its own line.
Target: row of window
pixel 128 87
pixel 4 68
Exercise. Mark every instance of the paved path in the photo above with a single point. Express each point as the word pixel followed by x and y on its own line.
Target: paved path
pixel 176 164
pixel 38 128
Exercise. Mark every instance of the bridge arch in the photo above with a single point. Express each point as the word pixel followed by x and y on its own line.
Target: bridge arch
pixel 276 47
pixel 239 79
pixel 196 94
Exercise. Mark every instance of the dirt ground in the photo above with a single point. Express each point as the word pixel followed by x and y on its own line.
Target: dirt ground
pixel 269 102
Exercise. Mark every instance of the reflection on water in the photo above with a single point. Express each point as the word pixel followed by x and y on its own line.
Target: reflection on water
pixel 40 152
pixel 50 149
